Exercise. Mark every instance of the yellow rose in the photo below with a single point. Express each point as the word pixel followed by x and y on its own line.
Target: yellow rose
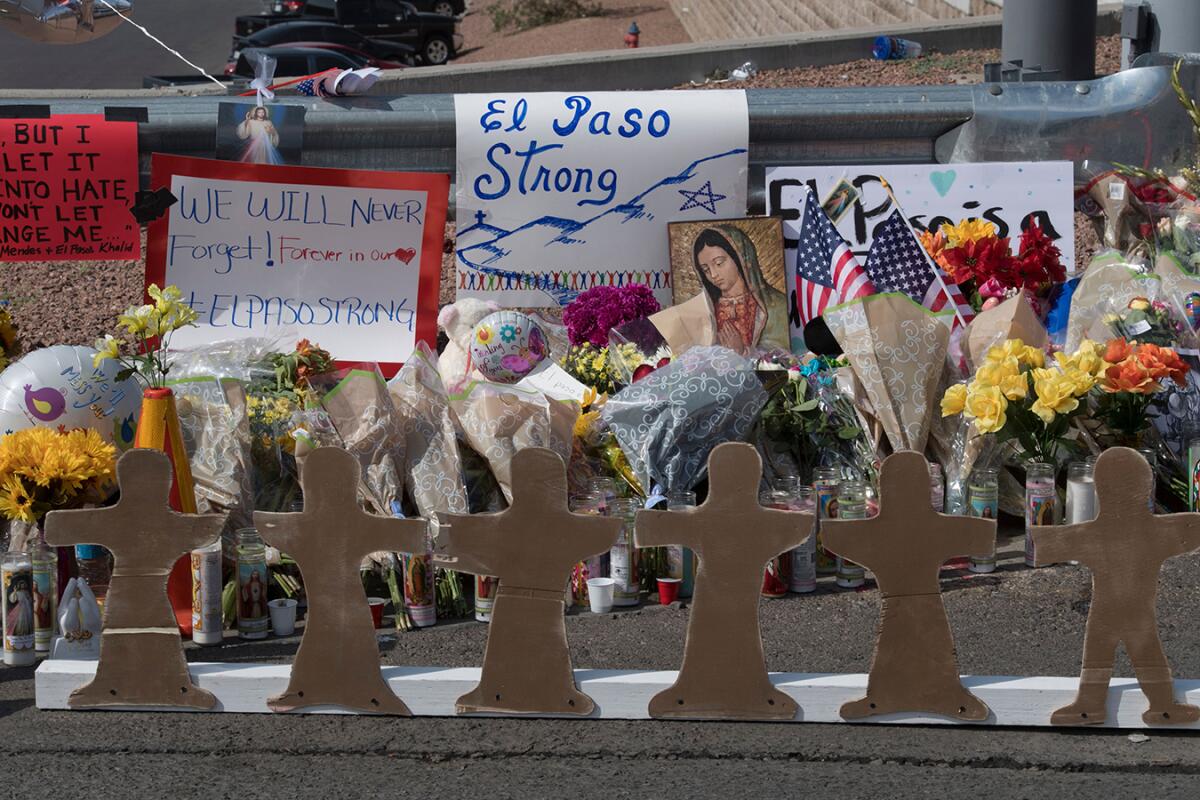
pixel 1014 387
pixel 1009 348
pixel 954 400
pixel 1081 380
pixel 1055 395
pixel 987 407
pixel 991 373
pixel 1033 356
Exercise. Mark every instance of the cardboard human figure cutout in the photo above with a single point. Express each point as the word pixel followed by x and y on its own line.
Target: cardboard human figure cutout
pixel 338 660
pixel 1124 547
pixel 914 667
pixel 141 653
pixel 531 546
pixel 724 673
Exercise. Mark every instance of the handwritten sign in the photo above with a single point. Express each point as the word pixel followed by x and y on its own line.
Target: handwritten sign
pixel 348 259
pixel 66 184
pixel 558 193
pixel 1011 195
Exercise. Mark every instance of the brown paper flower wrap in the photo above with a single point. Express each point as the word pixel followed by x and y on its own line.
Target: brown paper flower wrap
pixel 896 349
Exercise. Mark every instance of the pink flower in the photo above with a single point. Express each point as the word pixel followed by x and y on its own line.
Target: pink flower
pixel 594 313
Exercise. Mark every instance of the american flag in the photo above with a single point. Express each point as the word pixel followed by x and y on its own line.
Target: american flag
pixel 898 263
pixel 313 86
pixel 826 271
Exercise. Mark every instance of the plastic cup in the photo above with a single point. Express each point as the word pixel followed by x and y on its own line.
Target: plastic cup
pixel 600 594
pixel 377 604
pixel 283 616
pixel 668 590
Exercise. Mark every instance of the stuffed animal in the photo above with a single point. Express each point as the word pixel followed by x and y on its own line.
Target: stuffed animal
pixel 458 320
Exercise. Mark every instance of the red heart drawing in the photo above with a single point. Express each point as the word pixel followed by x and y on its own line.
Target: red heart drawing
pixel 405 254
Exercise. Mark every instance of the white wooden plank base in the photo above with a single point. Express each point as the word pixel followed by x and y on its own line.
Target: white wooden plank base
pixel 625 694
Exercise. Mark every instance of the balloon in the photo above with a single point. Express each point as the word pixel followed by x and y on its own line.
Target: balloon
pixel 63 21
pixel 507 345
pixel 57 387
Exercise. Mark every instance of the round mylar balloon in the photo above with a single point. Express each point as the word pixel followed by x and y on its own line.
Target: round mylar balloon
pixel 63 21
pixel 57 387
pixel 507 345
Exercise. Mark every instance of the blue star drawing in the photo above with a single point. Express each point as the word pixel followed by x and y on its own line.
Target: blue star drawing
pixel 701 198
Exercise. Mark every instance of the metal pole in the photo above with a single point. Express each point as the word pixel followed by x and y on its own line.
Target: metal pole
pixel 1055 35
pixel 1176 27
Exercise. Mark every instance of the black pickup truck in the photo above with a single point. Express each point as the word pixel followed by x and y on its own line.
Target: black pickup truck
pixel 434 37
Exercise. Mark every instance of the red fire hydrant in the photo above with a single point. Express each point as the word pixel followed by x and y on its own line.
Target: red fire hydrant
pixel 631 37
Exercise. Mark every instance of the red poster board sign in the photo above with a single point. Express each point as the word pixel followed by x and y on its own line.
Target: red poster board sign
pixel 66 185
pixel 348 259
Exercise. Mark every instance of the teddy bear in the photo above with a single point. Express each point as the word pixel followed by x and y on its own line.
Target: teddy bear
pixel 458 320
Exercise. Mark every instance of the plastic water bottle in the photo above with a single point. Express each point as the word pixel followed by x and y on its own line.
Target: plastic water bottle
pixel 893 48
pixel 94 568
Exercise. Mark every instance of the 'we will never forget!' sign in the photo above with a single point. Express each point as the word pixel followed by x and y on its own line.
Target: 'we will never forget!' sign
pixel 558 193
pixel 346 258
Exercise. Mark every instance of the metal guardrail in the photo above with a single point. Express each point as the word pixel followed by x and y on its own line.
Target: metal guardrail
pixel 1132 117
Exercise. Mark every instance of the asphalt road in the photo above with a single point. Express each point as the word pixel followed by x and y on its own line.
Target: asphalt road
pixel 199 29
pixel 1016 622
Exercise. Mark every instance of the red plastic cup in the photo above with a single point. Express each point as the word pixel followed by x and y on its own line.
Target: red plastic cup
pixel 668 590
pixel 377 604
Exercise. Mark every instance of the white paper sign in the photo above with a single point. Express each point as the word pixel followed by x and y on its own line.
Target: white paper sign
pixel 558 192
pixel 1008 194
pixel 260 250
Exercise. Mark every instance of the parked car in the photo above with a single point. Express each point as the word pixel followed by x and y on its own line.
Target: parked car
pixel 325 36
pixel 293 62
pixel 435 37
pixel 325 8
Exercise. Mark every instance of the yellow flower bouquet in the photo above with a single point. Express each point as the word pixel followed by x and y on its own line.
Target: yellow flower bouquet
pixel 1017 396
pixel 146 331
pixel 42 469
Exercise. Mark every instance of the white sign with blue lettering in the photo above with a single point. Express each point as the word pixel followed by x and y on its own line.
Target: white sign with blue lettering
pixel 558 192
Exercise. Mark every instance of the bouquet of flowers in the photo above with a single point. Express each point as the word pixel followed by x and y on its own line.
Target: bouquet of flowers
pixel 146 330
pixel 1146 320
pixel 42 469
pixel 591 366
pixel 987 268
pixel 1017 397
pixel 591 316
pixel 8 338
pixel 1133 374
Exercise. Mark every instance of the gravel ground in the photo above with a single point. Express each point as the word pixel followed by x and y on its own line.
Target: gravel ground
pixel 657 22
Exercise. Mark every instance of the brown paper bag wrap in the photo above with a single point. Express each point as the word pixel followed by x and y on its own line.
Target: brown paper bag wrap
pixel 366 421
pixel 1108 281
pixel 688 324
pixel 497 420
pixel 432 461
pixel 896 349
pixel 1012 319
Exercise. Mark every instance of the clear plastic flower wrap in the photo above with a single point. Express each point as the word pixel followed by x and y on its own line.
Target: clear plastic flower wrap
pixel 636 349
pixel 1111 278
pixel 667 423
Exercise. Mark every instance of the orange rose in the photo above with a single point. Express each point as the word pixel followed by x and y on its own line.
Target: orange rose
pixel 1129 376
pixel 1162 362
pixel 1118 350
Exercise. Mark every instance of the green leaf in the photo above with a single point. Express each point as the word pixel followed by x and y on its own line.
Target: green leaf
pixel 848 432
pixel 125 374
pixel 808 405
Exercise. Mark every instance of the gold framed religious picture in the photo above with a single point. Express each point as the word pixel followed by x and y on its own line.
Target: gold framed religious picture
pixel 739 264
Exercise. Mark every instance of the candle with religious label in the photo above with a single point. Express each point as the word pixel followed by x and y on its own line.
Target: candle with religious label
pixel 623 557
pixel 804 558
pixel 45 593
pixel 851 504
pixel 252 579
pixel 983 501
pixel 777 576
pixel 16 578
pixel 207 624
pixel 1041 503
pixel 485 596
pixel 825 490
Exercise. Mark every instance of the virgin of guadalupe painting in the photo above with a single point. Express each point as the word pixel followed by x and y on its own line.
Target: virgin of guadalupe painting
pixel 739 265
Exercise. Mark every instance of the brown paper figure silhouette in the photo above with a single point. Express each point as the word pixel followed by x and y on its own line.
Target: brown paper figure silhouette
pixel 338 660
pixel 1124 547
pixel 914 667
pixel 531 546
pixel 141 654
pixel 724 673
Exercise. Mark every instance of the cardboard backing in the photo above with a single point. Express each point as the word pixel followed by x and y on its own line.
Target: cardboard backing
pixel 724 673
pixel 1124 547
pixel 338 660
pixel 914 667
pixel 1012 319
pixel 141 653
pixel 531 546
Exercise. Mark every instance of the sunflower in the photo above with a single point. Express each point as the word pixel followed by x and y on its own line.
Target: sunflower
pixel 15 501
